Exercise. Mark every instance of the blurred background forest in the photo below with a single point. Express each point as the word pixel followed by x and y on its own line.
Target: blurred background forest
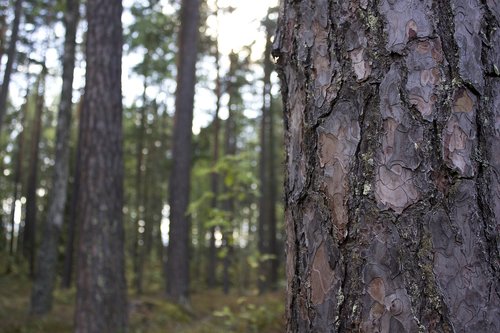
pixel 235 211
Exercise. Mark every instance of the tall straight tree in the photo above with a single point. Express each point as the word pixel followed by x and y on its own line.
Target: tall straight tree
pixel 30 224
pixel 214 177
pixel 177 268
pixel 11 56
pixel 392 117
pixel 101 304
pixel 67 272
pixel 46 264
pixel 268 268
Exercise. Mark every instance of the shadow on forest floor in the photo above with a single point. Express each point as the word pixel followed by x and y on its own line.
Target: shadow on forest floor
pixel 212 312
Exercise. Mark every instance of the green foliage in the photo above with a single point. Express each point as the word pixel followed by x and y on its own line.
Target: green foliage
pixel 250 317
pixel 210 312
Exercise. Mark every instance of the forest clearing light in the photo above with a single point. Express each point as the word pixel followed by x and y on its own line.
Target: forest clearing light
pixel 165 224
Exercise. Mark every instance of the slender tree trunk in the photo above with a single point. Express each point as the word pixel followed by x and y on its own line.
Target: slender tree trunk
pixel 392 205
pixel 212 251
pixel 138 248
pixel 178 247
pixel 46 270
pixel 17 176
pixel 266 203
pixel 101 300
pixel 3 30
pixel 11 54
pixel 273 199
pixel 229 150
pixel 72 223
pixel 29 235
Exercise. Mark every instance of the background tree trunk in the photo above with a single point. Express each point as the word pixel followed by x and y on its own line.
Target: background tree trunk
pixel 267 201
pixel 29 234
pixel 178 247
pixel 214 181
pixel 45 277
pixel 392 190
pixel 18 173
pixel 137 248
pixel 67 273
pixel 101 304
pixel 11 54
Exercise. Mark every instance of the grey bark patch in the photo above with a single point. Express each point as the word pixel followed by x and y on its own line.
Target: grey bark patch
pixel 468 16
pixel 405 20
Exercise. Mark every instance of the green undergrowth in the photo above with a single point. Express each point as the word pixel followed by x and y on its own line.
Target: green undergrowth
pixel 210 311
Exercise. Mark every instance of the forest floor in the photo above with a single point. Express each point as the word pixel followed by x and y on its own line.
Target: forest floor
pixel 211 311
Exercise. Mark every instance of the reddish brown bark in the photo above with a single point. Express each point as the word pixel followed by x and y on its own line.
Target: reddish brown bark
pixel 101 301
pixel 392 190
pixel 177 267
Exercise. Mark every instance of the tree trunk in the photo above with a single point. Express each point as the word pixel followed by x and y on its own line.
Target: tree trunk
pixel 267 201
pixel 11 54
pixel 43 286
pixel 101 304
pixel 230 137
pixel 212 251
pixel 18 171
pixel 72 223
pixel 3 29
pixel 138 248
pixel 178 246
pixel 29 235
pixel 392 190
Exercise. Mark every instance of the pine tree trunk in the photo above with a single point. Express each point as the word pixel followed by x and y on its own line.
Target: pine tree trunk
pixel 29 234
pixel 11 54
pixel 178 248
pixel 267 202
pixel 43 286
pixel 67 274
pixel 392 190
pixel 101 301
pixel 212 251
pixel 18 172
pixel 230 137
pixel 3 29
pixel 138 248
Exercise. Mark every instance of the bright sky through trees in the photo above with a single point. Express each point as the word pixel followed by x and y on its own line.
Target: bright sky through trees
pixel 235 30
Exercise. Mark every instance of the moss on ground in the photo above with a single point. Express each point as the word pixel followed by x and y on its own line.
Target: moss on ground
pixel 211 311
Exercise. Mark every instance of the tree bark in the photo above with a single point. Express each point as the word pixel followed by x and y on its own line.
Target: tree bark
pixel 11 54
pixel 177 268
pixel 101 301
pixel 18 172
pixel 43 286
pixel 67 274
pixel 138 248
pixel 392 189
pixel 267 201
pixel 29 234
pixel 212 251
pixel 3 29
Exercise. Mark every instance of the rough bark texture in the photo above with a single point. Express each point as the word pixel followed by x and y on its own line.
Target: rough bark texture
pixel 45 274
pixel 11 54
pixel 392 191
pixel 30 224
pixel 178 247
pixel 101 304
